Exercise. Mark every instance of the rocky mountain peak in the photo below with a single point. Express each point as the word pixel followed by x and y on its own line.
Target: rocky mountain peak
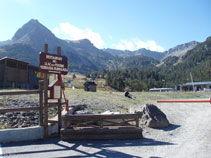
pixel 34 34
pixel 181 50
pixel 26 29
pixel 83 43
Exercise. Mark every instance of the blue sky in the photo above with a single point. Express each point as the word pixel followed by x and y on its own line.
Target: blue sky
pixel 120 24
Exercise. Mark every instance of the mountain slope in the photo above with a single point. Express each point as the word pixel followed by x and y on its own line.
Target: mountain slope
pixel 148 53
pixel 197 61
pixel 181 50
pixel 143 52
pixel 82 55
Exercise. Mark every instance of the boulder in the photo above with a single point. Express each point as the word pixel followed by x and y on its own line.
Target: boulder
pixel 153 117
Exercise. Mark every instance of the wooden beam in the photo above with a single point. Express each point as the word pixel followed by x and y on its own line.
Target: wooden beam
pixel 59 100
pixel 98 117
pixel 46 99
pixel 20 109
pixel 20 92
pixel 46 48
pixel 41 84
pixel 52 121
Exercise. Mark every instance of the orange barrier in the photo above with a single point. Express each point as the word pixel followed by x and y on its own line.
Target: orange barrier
pixel 184 101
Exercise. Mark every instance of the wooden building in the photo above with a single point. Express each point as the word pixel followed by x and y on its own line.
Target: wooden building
pixel 17 74
pixel 90 86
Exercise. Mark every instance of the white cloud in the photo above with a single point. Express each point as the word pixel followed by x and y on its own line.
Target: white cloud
pixel 124 45
pixel 151 45
pixel 56 31
pixel 76 33
pixel 135 44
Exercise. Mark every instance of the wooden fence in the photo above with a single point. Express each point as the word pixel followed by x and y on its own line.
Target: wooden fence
pixel 38 108
pixel 99 127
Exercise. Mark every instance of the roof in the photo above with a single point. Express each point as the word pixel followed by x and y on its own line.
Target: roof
pixel 52 83
pixel 4 58
pixel 90 83
pixel 197 83
pixel 161 89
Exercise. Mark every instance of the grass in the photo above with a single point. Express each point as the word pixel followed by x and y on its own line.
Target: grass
pixel 104 99
pixel 117 101
pixel 2 126
pixel 108 99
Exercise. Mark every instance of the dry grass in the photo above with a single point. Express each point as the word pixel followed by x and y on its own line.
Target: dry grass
pixel 118 102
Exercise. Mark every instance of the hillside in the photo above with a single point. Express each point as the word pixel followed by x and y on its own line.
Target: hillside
pixel 143 52
pixel 180 50
pixel 197 61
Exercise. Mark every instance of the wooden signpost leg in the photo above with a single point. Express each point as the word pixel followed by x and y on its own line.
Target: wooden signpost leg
pixel 46 100
pixel 41 102
pixel 59 100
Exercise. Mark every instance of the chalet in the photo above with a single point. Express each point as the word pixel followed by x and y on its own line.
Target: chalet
pixel 90 86
pixel 17 74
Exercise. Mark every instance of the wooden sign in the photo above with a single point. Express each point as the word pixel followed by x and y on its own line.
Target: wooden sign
pixel 51 63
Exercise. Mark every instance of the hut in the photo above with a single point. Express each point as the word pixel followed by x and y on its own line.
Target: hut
pixel 17 74
pixel 90 86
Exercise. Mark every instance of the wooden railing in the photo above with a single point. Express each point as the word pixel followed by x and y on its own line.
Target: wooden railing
pixel 27 92
pixel 99 121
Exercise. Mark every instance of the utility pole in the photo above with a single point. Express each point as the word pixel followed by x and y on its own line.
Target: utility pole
pixel 192 80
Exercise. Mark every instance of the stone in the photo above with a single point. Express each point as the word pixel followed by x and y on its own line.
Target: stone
pixel 153 117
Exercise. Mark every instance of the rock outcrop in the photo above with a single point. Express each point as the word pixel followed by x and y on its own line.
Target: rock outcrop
pixel 153 117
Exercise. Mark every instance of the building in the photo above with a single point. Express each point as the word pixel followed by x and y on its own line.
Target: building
pixel 197 86
pixel 90 86
pixel 17 74
pixel 160 89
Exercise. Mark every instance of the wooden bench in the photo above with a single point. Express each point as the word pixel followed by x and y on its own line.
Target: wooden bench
pixel 114 126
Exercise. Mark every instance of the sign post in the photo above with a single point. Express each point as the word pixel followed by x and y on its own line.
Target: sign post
pixel 53 64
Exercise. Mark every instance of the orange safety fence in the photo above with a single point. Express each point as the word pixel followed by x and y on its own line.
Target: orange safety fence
pixel 184 101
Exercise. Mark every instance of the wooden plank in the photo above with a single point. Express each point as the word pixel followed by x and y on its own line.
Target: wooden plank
pixel 52 121
pixel 137 122
pixel 59 116
pixel 137 135
pixel 123 122
pixel 98 117
pixel 51 105
pixel 41 83
pixel 108 130
pixel 20 92
pixel 85 123
pixel 20 109
pixel 46 99
pixel 59 100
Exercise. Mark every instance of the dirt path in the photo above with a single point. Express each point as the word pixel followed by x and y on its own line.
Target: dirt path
pixel 190 132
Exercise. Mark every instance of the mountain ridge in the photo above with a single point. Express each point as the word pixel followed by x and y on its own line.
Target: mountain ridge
pixel 82 55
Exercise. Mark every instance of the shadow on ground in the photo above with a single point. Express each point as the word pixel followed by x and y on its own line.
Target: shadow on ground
pixel 171 127
pixel 56 145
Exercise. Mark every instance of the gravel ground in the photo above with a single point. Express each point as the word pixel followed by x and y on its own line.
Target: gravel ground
pixel 189 135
